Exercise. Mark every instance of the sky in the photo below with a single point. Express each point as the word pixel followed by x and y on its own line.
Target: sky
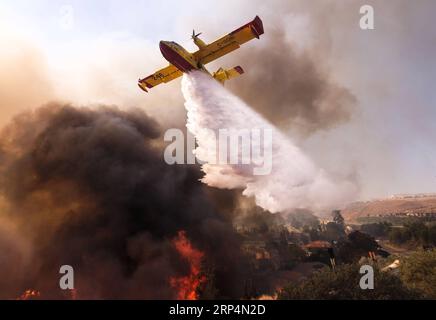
pixel 96 54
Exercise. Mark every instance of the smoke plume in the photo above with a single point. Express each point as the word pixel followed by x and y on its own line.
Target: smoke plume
pixel 294 182
pixel 293 89
pixel 89 188
pixel 24 77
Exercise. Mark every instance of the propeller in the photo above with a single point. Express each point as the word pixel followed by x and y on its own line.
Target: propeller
pixel 194 36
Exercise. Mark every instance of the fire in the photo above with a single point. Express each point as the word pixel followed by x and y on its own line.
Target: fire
pixel 70 294
pixel 187 286
pixel 35 294
pixel 73 293
pixel 29 295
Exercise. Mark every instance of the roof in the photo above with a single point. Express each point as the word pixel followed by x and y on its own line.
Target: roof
pixel 318 244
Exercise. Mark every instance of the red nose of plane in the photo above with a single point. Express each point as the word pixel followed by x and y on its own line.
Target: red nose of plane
pixel 170 52
pixel 165 49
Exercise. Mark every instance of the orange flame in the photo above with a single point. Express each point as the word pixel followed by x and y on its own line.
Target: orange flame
pixel 187 286
pixel 70 294
pixel 35 294
pixel 29 295
pixel 73 293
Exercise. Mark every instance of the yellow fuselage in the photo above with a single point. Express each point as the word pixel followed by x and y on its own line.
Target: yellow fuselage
pixel 179 56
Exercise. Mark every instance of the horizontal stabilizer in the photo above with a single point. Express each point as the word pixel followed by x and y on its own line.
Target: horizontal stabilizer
pixel 223 75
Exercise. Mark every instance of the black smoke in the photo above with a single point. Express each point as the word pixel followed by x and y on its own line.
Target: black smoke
pixel 89 187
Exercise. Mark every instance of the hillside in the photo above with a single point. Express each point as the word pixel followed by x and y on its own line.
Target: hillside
pixel 400 205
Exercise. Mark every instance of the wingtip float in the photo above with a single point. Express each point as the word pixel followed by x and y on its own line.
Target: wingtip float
pixel 183 61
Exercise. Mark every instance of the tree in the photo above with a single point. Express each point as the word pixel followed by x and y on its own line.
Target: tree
pixel 399 235
pixel 343 284
pixel 333 232
pixel 416 232
pixel 313 233
pixel 432 234
pixel 290 255
pixel 300 218
pixel 363 241
pixel 207 290
pixel 418 272
pixel 337 218
pixel 380 229
pixel 357 245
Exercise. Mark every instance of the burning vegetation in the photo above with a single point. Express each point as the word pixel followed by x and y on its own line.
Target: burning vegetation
pixel 88 187
pixel 92 181
pixel 187 286
pixel 29 295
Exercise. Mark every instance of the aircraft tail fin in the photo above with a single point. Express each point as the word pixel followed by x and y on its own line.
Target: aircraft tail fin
pixel 223 75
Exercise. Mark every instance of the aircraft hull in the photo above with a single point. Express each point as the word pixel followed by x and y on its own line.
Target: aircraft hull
pixel 175 58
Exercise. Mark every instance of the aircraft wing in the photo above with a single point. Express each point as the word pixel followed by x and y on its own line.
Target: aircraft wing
pixel 230 42
pixel 162 76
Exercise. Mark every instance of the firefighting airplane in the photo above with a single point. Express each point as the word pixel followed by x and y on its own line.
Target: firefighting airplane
pixel 182 61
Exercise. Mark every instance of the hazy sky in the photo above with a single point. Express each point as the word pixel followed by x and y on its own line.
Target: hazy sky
pixel 389 143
